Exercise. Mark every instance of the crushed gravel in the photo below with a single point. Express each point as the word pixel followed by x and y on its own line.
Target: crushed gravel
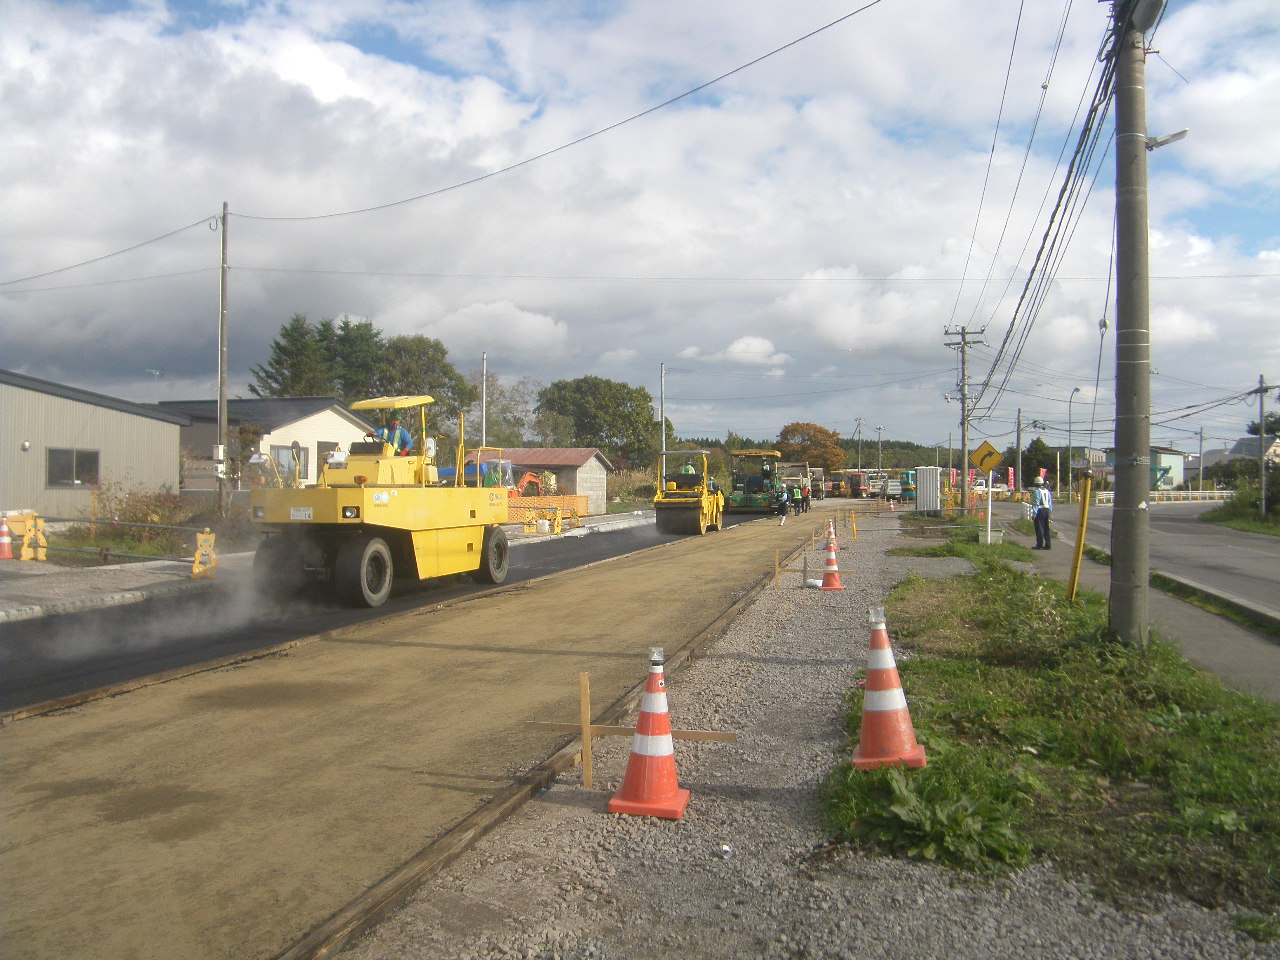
pixel 748 871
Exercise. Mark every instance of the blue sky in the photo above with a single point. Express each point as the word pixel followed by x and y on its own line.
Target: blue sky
pixel 789 242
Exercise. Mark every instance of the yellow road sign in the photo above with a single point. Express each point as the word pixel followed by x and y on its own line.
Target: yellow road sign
pixel 986 458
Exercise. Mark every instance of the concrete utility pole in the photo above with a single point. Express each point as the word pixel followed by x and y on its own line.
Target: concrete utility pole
pixel 963 346
pixel 1200 460
pixel 1130 526
pixel 220 445
pixel 1017 476
pixel 1262 446
pixel 484 400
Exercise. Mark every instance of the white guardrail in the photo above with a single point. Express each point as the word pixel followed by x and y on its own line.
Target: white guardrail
pixel 1169 496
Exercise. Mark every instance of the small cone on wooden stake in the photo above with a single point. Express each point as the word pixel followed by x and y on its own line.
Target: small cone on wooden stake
pixel 887 736
pixel 650 787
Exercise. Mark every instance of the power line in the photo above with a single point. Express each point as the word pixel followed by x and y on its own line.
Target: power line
pixel 211 221
pixel 583 139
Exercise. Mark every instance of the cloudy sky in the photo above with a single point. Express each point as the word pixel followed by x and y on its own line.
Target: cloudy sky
pixel 842 182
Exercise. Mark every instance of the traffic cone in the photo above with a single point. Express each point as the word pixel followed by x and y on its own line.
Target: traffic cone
pixel 6 541
pixel 892 508
pixel 831 535
pixel 887 737
pixel 650 787
pixel 831 573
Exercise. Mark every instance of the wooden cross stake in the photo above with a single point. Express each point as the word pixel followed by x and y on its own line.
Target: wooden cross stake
pixel 586 729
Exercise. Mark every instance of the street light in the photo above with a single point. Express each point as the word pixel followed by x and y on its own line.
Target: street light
pixel 1074 391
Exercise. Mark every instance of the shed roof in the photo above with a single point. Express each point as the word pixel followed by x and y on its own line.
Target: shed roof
pixel 49 388
pixel 550 456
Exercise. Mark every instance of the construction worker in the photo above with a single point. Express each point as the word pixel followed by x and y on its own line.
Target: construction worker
pixel 1041 513
pixel 395 435
pixel 688 467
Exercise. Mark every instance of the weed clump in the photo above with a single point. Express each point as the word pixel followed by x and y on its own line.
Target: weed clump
pixel 1048 737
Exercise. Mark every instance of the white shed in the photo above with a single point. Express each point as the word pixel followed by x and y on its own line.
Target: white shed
pixel 580 471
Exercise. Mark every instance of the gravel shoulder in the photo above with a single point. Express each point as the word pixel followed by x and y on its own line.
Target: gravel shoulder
pixel 747 872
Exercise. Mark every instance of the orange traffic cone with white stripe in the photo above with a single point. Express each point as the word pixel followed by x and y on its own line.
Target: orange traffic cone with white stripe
pixel 650 787
pixel 831 572
pixel 887 737
pixel 831 535
pixel 6 541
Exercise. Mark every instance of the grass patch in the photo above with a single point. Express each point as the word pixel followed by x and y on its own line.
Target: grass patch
pixel 962 540
pixel 1046 737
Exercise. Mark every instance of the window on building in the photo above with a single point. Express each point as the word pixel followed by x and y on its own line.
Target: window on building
pixel 71 468
pixel 283 456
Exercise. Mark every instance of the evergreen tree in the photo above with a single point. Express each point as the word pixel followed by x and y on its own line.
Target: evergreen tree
pixel 299 365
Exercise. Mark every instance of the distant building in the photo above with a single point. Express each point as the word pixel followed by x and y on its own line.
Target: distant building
pixel 1246 448
pixel 1168 467
pixel 578 470
pixel 319 425
pixel 61 443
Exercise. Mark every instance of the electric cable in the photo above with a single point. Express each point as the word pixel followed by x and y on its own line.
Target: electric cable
pixel 580 140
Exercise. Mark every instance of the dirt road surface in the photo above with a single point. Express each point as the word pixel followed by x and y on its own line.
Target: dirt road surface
pixel 228 813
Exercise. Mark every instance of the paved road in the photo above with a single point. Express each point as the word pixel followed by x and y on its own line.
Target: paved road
pixel 63 656
pixel 1231 562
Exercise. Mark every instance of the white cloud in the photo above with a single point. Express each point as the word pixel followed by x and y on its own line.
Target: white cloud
pixel 797 232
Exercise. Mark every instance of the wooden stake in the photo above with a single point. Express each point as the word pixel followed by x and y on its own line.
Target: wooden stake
pixel 584 713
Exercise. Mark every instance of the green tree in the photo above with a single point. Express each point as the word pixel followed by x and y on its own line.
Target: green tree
pixel 358 356
pixel 350 359
pixel 510 408
pixel 414 364
pixel 1273 426
pixel 812 444
pixel 299 365
pixel 1034 458
pixel 616 417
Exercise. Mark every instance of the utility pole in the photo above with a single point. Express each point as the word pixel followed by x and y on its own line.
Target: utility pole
pixel 1130 526
pixel 1200 460
pixel 963 346
pixel 859 433
pixel 662 407
pixel 1262 446
pixel 484 402
pixel 1017 476
pixel 220 445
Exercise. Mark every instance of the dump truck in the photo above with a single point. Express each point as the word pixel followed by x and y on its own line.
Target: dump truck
pixel 818 482
pixel 373 516
pixel 688 499
pixel 755 486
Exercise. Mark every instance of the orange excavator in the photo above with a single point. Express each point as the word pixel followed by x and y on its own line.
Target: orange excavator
pixel 521 487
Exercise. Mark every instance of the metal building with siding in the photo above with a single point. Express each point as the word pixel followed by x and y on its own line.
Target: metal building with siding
pixel 58 444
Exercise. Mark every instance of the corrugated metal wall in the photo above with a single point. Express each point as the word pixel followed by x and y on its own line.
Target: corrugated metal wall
pixel 133 451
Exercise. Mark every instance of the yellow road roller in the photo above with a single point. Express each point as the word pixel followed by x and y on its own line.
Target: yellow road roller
pixel 376 513
pixel 688 500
